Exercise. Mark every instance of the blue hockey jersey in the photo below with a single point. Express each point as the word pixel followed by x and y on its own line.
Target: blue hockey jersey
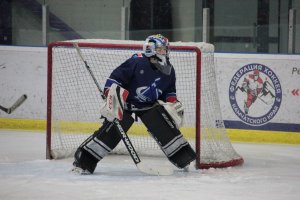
pixel 145 83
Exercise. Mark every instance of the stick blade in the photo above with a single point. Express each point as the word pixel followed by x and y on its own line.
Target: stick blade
pixel 4 109
pixel 18 103
pixel 155 170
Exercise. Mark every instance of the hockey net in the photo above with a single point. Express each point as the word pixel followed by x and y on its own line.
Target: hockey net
pixel 73 99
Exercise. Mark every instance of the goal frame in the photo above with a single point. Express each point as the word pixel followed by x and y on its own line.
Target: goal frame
pixel 137 47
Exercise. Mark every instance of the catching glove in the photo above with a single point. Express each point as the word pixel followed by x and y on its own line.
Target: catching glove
pixel 115 101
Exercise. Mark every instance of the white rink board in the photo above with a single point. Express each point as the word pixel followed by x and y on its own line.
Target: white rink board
pixel 287 69
pixel 23 70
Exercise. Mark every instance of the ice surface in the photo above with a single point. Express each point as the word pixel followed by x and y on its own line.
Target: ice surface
pixel 270 172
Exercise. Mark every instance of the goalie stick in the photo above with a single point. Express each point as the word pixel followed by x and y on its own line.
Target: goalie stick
pixel 15 105
pixel 157 170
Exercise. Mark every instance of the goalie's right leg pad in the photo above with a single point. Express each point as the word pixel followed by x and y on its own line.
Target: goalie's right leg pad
pixel 98 145
pixel 168 137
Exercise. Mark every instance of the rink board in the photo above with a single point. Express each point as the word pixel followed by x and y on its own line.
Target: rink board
pixel 235 135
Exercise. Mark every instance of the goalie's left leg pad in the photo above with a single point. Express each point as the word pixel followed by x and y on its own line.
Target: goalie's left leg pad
pixel 168 137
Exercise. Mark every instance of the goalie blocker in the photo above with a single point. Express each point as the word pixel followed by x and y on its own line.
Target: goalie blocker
pixel 159 124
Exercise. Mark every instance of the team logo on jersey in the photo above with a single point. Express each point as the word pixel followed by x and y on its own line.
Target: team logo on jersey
pixel 148 93
pixel 255 94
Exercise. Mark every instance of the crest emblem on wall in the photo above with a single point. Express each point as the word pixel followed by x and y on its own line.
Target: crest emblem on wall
pixel 255 94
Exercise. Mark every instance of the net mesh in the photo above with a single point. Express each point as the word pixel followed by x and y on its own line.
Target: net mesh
pixel 76 100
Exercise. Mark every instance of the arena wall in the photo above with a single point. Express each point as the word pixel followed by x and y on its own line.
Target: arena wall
pixel 273 117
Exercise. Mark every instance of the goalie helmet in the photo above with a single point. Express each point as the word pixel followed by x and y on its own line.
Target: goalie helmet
pixel 157 47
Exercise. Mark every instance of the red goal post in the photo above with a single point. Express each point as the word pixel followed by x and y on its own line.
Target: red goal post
pixel 73 101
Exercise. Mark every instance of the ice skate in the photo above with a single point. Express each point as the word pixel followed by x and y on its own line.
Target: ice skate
pixel 80 171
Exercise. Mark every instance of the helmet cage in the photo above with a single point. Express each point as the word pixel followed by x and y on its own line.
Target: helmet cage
pixel 153 42
pixel 153 47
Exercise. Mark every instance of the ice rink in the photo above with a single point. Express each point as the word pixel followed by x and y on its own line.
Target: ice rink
pixel 270 172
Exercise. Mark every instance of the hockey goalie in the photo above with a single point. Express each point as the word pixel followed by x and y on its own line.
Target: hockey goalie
pixel 145 85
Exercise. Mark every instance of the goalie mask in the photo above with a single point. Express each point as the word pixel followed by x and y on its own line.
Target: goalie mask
pixel 157 47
